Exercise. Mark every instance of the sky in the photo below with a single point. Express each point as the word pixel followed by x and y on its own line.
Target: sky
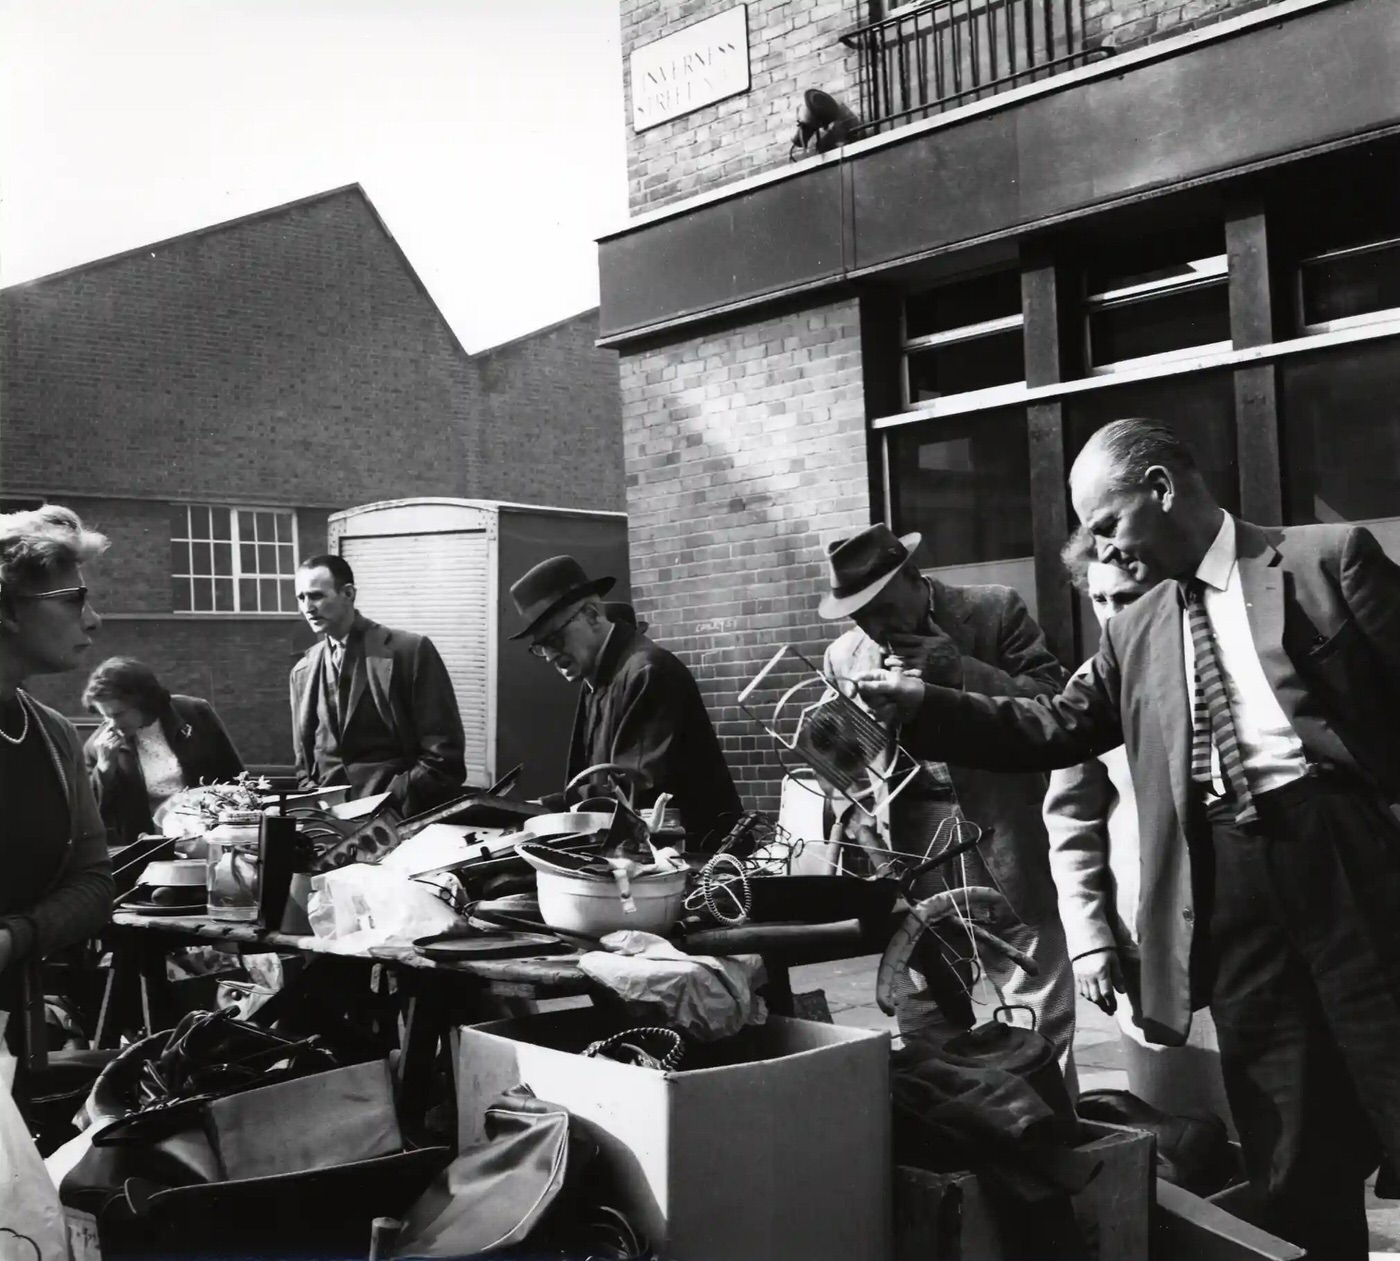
pixel 487 133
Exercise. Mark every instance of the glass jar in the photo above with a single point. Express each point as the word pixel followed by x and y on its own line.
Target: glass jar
pixel 232 866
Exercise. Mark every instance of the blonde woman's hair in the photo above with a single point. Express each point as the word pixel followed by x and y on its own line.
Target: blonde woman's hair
pixel 37 543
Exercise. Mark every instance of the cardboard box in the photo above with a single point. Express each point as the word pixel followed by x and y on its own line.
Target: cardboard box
pixel 949 1217
pixel 778 1152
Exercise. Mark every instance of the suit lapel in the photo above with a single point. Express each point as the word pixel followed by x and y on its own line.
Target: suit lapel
pixel 377 674
pixel 1171 695
pixel 308 671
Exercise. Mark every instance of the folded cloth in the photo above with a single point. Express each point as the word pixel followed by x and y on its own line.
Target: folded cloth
pixel 700 995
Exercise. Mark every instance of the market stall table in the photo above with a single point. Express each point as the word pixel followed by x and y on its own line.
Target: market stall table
pixel 432 995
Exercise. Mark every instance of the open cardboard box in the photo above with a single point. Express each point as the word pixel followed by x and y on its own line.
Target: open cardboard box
pixel 772 1146
pixel 951 1217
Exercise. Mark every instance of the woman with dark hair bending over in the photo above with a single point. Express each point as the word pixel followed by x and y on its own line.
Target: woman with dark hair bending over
pixel 55 877
pixel 150 746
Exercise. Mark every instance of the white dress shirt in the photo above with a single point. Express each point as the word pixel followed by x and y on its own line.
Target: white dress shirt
pixel 1273 754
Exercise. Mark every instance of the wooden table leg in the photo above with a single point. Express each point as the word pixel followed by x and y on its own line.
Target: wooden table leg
pixel 120 993
pixel 778 990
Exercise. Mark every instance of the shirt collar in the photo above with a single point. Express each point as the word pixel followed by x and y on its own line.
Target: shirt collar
pixel 1221 557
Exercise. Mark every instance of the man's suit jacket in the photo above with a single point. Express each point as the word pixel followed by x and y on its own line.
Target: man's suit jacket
pixel 408 685
pixel 200 744
pixel 646 712
pixel 1324 606
pixel 1004 653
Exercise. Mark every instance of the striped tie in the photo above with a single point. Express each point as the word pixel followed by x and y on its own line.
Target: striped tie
pixel 1211 715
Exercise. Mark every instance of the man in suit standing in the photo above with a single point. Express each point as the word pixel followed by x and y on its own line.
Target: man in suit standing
pixel 983 639
pixel 1258 697
pixel 371 707
pixel 638 706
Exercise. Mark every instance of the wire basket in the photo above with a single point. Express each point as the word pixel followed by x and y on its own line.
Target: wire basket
pixel 832 735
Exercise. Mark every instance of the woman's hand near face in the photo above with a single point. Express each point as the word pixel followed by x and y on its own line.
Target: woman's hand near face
pixel 108 741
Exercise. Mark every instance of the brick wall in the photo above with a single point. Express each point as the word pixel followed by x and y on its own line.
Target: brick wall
pixel 746 454
pixel 239 665
pixel 793 45
pixel 291 357
pixel 1130 23
pixel 548 404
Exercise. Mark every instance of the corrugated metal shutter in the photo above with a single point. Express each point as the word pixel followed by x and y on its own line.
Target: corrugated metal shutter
pixel 437 585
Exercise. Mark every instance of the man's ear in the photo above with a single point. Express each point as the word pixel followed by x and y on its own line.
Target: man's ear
pixel 348 590
pixel 1159 482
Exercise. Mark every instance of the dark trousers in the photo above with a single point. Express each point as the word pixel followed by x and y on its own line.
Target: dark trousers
pixel 1303 936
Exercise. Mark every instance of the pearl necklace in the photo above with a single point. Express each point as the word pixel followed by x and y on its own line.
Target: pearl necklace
pixel 24 731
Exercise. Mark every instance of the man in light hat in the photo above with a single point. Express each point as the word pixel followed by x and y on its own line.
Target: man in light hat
pixel 982 639
pixel 638 707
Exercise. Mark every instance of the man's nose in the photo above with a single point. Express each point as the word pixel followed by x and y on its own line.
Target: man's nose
pixel 92 623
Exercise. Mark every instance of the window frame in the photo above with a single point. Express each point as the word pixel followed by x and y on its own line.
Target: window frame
pixel 1147 291
pixel 1381 315
pixel 236 575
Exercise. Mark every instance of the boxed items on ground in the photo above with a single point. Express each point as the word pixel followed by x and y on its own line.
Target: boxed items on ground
pixel 958 1217
pixel 772 1145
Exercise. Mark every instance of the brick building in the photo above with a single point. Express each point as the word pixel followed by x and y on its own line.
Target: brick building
pixel 209 400
pixel 1051 213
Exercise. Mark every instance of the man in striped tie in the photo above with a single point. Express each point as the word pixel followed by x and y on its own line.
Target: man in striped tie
pixel 1258 700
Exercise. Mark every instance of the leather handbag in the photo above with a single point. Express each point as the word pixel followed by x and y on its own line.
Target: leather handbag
pixel 495 1194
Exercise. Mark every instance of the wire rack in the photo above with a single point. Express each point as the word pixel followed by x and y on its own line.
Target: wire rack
pixel 832 735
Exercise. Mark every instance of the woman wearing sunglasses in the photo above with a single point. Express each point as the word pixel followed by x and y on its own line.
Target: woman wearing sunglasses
pixel 55 876
pixel 150 746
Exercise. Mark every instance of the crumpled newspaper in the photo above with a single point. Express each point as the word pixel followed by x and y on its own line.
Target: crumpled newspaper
pixel 703 996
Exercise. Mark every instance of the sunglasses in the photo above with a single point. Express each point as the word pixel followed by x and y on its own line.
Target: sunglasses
pixel 552 644
pixel 75 596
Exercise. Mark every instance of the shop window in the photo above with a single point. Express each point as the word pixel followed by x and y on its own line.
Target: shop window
pixel 232 560
pixel 1199 407
pixel 963 340
pixel 1341 432
pixel 964 483
pixel 1152 303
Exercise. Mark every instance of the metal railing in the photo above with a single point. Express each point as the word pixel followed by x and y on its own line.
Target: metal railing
pixel 925 60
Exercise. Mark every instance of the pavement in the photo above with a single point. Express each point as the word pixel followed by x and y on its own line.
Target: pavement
pixel 849 986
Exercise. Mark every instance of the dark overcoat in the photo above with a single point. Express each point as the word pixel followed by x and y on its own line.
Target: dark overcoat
pixel 645 711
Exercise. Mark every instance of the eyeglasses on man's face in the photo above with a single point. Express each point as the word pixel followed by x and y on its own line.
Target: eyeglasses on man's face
pixel 552 645
pixel 74 597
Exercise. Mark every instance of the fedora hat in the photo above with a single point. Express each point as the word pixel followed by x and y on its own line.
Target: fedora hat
pixel 861 566
pixel 549 588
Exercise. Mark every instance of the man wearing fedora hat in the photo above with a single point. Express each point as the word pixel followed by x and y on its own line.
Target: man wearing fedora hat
pixel 983 639
pixel 638 706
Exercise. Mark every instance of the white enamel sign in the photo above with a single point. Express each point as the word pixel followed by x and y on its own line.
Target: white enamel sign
pixel 697 66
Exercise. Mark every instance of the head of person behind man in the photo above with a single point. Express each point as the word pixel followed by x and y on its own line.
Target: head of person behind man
pixel 1110 588
pixel 876 582
pixel 46 621
pixel 326 595
pixel 127 693
pixel 566 622
pixel 1137 490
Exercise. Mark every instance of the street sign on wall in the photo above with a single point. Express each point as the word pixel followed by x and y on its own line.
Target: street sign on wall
pixel 699 65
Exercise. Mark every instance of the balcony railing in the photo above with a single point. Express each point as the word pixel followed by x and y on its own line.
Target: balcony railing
pixel 925 60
